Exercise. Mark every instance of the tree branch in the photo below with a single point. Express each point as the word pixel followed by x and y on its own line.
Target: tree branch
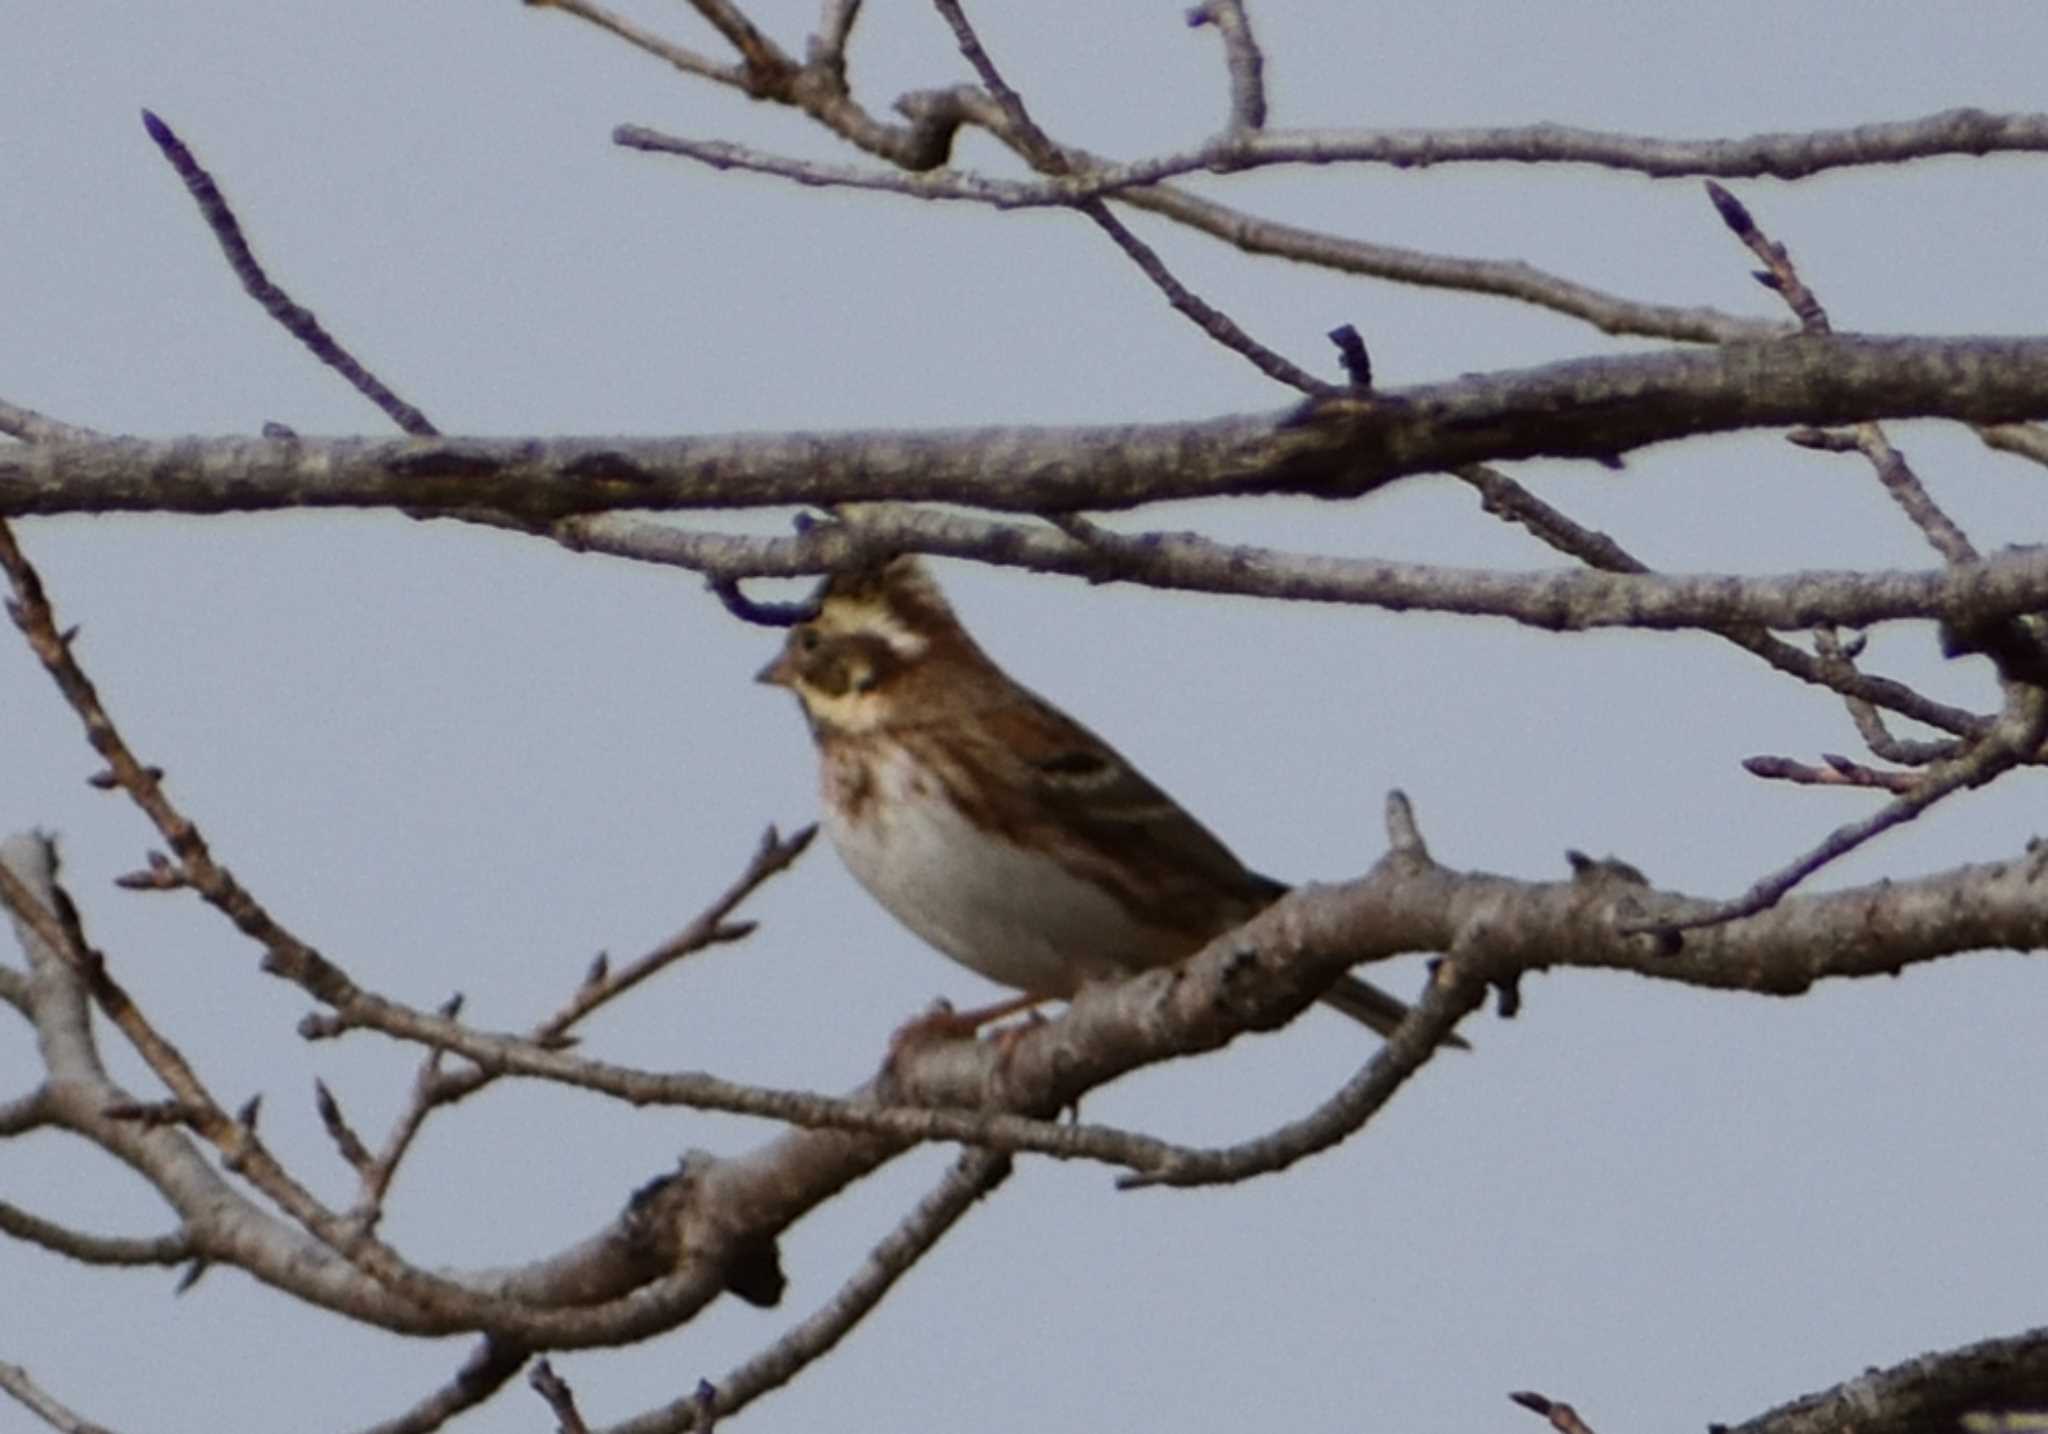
pixel 1339 447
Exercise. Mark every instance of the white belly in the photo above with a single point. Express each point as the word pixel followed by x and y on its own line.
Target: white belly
pixel 1014 915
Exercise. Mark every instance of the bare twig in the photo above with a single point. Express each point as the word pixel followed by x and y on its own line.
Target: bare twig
pixel 32 427
pixel 375 1173
pixel 1899 480
pixel 241 1150
pixel 1357 361
pixel 33 614
pixel 975 1174
pixel 1838 771
pixel 561 1399
pixel 773 854
pixel 2014 742
pixel 340 1131
pixel 191 1104
pixel 1509 279
pixel 1839 661
pixel 1204 315
pixel 298 321
pixel 1241 55
pixel 1508 499
pixel 1782 277
pixel 1037 143
pixel 686 60
pixel 1778 275
pixel 433 1088
pixel 2028 440
pixel 835 29
pixel 1563 1418
pixel 1049 158
pixel 173 1249
pixel 1760 156
pixel 17 1382
pixel 1457 989
pixel 766 66
pixel 490 1365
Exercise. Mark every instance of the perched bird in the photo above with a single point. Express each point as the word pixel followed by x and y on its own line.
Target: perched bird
pixel 992 824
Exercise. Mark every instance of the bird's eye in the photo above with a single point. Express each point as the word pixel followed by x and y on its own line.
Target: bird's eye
pixel 807 638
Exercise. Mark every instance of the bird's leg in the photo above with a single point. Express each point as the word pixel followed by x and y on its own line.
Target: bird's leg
pixel 943 1023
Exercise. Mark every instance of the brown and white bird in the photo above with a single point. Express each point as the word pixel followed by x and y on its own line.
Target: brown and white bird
pixel 992 824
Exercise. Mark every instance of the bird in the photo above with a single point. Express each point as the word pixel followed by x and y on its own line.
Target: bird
pixel 993 825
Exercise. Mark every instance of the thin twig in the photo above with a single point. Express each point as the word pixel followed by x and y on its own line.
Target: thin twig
pixel 766 63
pixel 375 1174
pixel 434 1088
pixel 1563 1418
pixel 1760 156
pixel 686 60
pixel 1996 754
pixel 1241 56
pixel 298 321
pixel 1899 480
pixel 173 1249
pixel 2012 643
pixel 286 954
pixel 191 1103
pixel 1456 990
pixel 773 854
pixel 242 1151
pixel 560 1397
pixel 17 1382
pixel 974 1175
pixel 1837 771
pixel 1782 277
pixel 2028 440
pixel 1204 315
pixel 487 1370
pixel 835 29
pixel 32 427
pixel 1839 659
pixel 1778 274
pixel 1508 279
pixel 1506 498
pixel 1037 144
pixel 345 1139
pixel 1049 158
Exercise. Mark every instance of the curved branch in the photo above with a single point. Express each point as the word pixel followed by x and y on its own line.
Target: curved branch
pixel 1932 1391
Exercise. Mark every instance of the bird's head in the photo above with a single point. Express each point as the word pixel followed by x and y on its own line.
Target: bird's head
pixel 875 632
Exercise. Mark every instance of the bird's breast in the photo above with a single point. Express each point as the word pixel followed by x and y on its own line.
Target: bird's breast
pixel 1006 908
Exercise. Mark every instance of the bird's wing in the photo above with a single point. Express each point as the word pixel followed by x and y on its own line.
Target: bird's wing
pixel 1124 831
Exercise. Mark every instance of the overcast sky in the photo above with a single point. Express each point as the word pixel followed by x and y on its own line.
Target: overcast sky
pixel 460 760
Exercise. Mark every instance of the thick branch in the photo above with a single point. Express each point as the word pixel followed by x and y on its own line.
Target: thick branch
pixel 1264 974
pixel 1590 408
pixel 1932 1391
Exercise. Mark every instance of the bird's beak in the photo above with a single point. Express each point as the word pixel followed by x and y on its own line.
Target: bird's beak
pixel 779 673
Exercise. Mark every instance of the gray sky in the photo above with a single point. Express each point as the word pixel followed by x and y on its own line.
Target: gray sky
pixel 458 760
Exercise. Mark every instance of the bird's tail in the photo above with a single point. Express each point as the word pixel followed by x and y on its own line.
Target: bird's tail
pixel 1370 1006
